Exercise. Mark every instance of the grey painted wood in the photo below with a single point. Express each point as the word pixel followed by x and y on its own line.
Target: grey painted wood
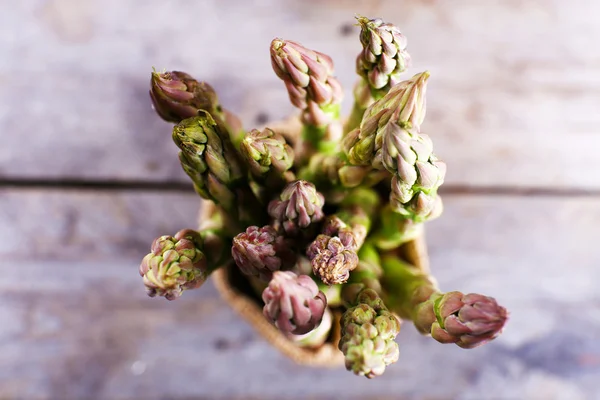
pixel 513 99
pixel 75 322
pixel 513 102
pixel 89 225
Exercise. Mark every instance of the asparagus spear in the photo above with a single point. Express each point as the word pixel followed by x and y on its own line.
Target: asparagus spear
pixel 261 251
pixel 176 96
pixel 389 138
pixel 333 257
pixel 210 160
pixel 181 262
pixel 333 254
pixel 207 159
pixel 308 77
pixel 383 57
pixel 394 230
pixel 368 334
pixel 298 206
pixel 269 157
pixel 467 320
pixel 293 303
pixel 403 106
pixel 380 63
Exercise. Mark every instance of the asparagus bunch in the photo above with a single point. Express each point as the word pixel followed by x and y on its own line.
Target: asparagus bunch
pixel 316 222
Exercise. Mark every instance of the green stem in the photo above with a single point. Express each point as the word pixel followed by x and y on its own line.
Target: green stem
pixel 366 276
pixel 366 198
pixel 406 286
pixel 233 125
pixel 363 97
pixel 316 139
pixel 355 117
pixel 249 207
pixel 333 293
pixel 394 229
pixel 216 234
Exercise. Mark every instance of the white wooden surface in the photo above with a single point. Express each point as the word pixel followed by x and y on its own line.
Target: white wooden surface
pixel 513 104
pixel 77 324
pixel 513 100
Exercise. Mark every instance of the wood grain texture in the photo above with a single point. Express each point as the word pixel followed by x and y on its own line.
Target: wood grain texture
pixel 513 100
pixel 75 322
pixel 91 225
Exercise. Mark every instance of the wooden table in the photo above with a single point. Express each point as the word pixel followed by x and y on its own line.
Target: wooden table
pixel 89 176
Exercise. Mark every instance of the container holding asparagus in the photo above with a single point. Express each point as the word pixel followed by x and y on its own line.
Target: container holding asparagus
pixel 313 228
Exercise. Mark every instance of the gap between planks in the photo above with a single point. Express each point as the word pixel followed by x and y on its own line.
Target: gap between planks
pixel 181 187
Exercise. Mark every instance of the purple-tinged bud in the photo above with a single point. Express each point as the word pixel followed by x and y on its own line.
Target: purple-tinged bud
pixel 299 205
pixel 384 57
pixel 468 320
pixel 308 77
pixel 261 251
pixel 293 303
pixel 176 96
pixel 266 151
pixel 175 263
pixel 333 257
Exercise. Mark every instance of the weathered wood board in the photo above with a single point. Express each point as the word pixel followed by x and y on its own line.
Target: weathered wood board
pixel 513 103
pixel 75 322
pixel 513 100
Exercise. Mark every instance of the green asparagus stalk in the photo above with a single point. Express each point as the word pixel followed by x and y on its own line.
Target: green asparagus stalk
pixel 383 58
pixel 333 254
pixel 181 262
pixel 389 138
pixel 366 276
pixel 368 334
pixel 269 157
pixel 293 303
pixel 261 251
pixel 394 230
pixel 380 63
pixel 467 320
pixel 209 159
pixel 177 96
pixel 298 206
pixel 362 100
pixel 312 87
pixel 333 172
pixel 366 198
pixel 403 106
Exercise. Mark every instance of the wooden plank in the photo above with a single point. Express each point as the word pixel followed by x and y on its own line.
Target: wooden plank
pixel 512 102
pixel 89 225
pixel 75 323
